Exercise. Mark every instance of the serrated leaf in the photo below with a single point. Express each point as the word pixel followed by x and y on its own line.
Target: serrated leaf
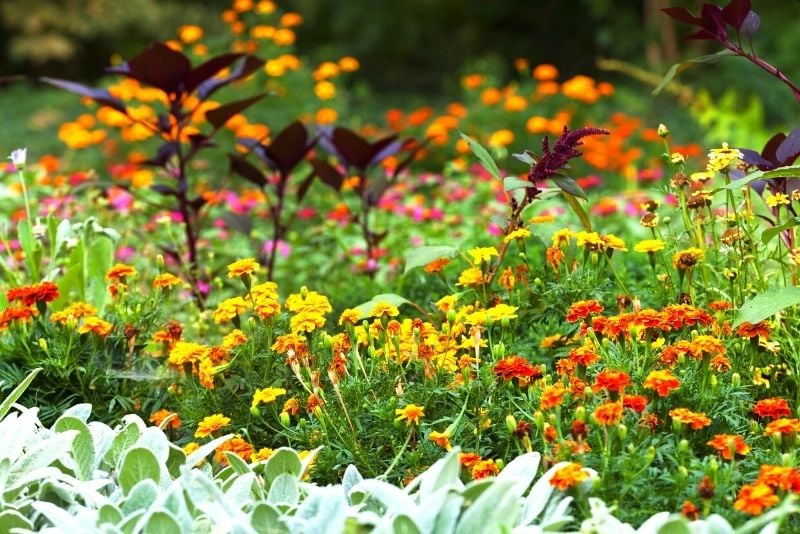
pixel 483 156
pixel 677 68
pixel 767 304
pixel 138 464
pixel 422 256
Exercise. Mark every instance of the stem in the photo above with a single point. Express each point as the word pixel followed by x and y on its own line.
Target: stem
pixel 398 455
pixel 25 196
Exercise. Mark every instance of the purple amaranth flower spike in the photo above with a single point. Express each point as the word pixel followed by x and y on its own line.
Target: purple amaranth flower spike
pixel 552 161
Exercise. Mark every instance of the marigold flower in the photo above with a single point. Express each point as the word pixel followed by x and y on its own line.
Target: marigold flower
pixel 119 272
pixel 695 420
pixel 482 254
pixel 774 408
pixel 584 355
pixel 185 352
pixel 760 329
pixel 161 415
pixel 30 295
pixel 96 326
pixel 410 413
pixel 266 395
pixel 568 476
pixel 519 233
pixel 782 426
pixel 165 281
pixel 381 309
pixel 349 316
pixel 74 311
pixel 484 468
pixel 233 339
pixel 266 308
pixel 545 72
pixel 437 265
pixel 441 439
pixel 211 424
pixel 242 267
pixel 637 403
pixel 608 413
pixel 611 380
pixel 728 445
pixel 468 459
pixel 662 381
pixel 649 245
pixel 516 367
pixel 470 277
pixel 229 309
pixel 686 259
pixel 265 290
pixel 720 159
pixel 779 476
pixel 552 396
pixel 237 445
pixel 583 309
pixel 189 33
pixel 555 257
pixel 753 498
pixel 690 511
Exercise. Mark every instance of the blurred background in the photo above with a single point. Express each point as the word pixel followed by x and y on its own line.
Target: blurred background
pixel 411 53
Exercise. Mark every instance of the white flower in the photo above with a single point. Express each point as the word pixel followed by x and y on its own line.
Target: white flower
pixel 18 157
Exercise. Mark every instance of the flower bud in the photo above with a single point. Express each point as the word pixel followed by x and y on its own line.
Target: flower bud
pixel 662 130
pixel 580 413
pixel 683 446
pixel 285 419
pixel 254 411
pixel 252 324
pixel 499 351
pixel 622 430
pixel 160 262
pixel 713 381
pixel 451 316
pixel 682 472
pixel 538 420
pixel 736 379
pixel 651 453
pixel 631 448
pixel 42 344
pixel 511 423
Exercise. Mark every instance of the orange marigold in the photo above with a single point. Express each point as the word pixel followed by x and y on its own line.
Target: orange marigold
pixel 568 476
pixel 211 424
pixel 552 396
pixel 728 445
pixel 695 420
pixel 611 380
pixel 517 367
pixel 96 326
pixel 608 413
pixel 753 330
pixel 30 295
pixel 161 415
pixel 484 468
pixel 783 426
pixel 583 309
pixel 779 476
pixel 662 381
pixel 753 498
pixel 437 265
pixel 637 403
pixel 119 272
pixel 774 408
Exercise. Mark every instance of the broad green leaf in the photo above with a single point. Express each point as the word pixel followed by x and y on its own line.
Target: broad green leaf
pixel 483 156
pixel 568 185
pixel 443 473
pixel 29 246
pixel 578 210
pixel 422 256
pixel 175 460
pixel 682 66
pixel 404 524
pixel 110 514
pixel 525 157
pixel 284 490
pixel 495 510
pixel 101 256
pixel 266 519
pixel 769 233
pixel 200 454
pixel 141 496
pixel 239 466
pixel 675 526
pixel 12 519
pixel 83 450
pixel 790 171
pixel 510 183
pixel 162 522
pixel 43 454
pixel 284 460
pixel 14 396
pixel 138 464
pixel 767 304
pixel 123 440
pixel 389 298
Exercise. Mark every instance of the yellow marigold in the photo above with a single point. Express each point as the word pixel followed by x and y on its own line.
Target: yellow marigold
pixel 266 395
pixel 484 468
pixel 235 338
pixel 308 301
pixel 501 138
pixel 410 413
pixel 614 242
pixel 482 254
pixel 189 448
pixel 592 239
pixel 778 199
pixel 686 259
pixel 662 381
pixel 470 277
pixel 306 321
pixel 541 219
pixel 186 352
pixel 211 424
pixel 74 311
pixel 267 308
pixel 228 309
pixel 325 90
pixel 562 237
pixel 384 309
pixel 189 33
pixel 649 245
pixel 441 439
pixel 568 476
pixel 165 281
pixel 243 267
pixel 502 311
pixel 519 233
pixel 120 272
pixel 721 159
pixel 350 316
pixel 96 326
pixel 447 303
pixel 265 290
pixel 695 420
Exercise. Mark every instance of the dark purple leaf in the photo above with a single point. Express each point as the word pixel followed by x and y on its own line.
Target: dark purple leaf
pixel 207 70
pixel 305 185
pixel 770 151
pixel 290 147
pixel 197 202
pixel 247 66
pixel 328 174
pixel 219 116
pixel 101 96
pixel 736 12
pixel 354 149
pixel 701 35
pixel 789 148
pixel 751 24
pixel 247 170
pixel 199 141
pixel 682 15
pixel 751 157
pixel 413 151
pixel 384 148
pixel 713 21
pixel 160 66
pixel 164 153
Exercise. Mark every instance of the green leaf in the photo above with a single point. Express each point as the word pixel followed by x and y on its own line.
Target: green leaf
pixel 122 441
pixel 141 497
pixel 101 256
pixel 767 304
pixel 510 183
pixel 5 406
pixel 568 185
pixel 200 454
pixel 29 246
pixel 12 519
pixel 389 298
pixel 138 464
pixel 422 256
pixel 790 171
pixel 238 465
pixel 83 450
pixel 175 459
pixel 483 156
pixel 110 514
pixel 266 519
pixel 682 66
pixel 284 490
pixel 404 524
pixel 578 210
pixel 675 526
pixel 769 233
pixel 284 460
pixel 494 511
pixel 162 522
